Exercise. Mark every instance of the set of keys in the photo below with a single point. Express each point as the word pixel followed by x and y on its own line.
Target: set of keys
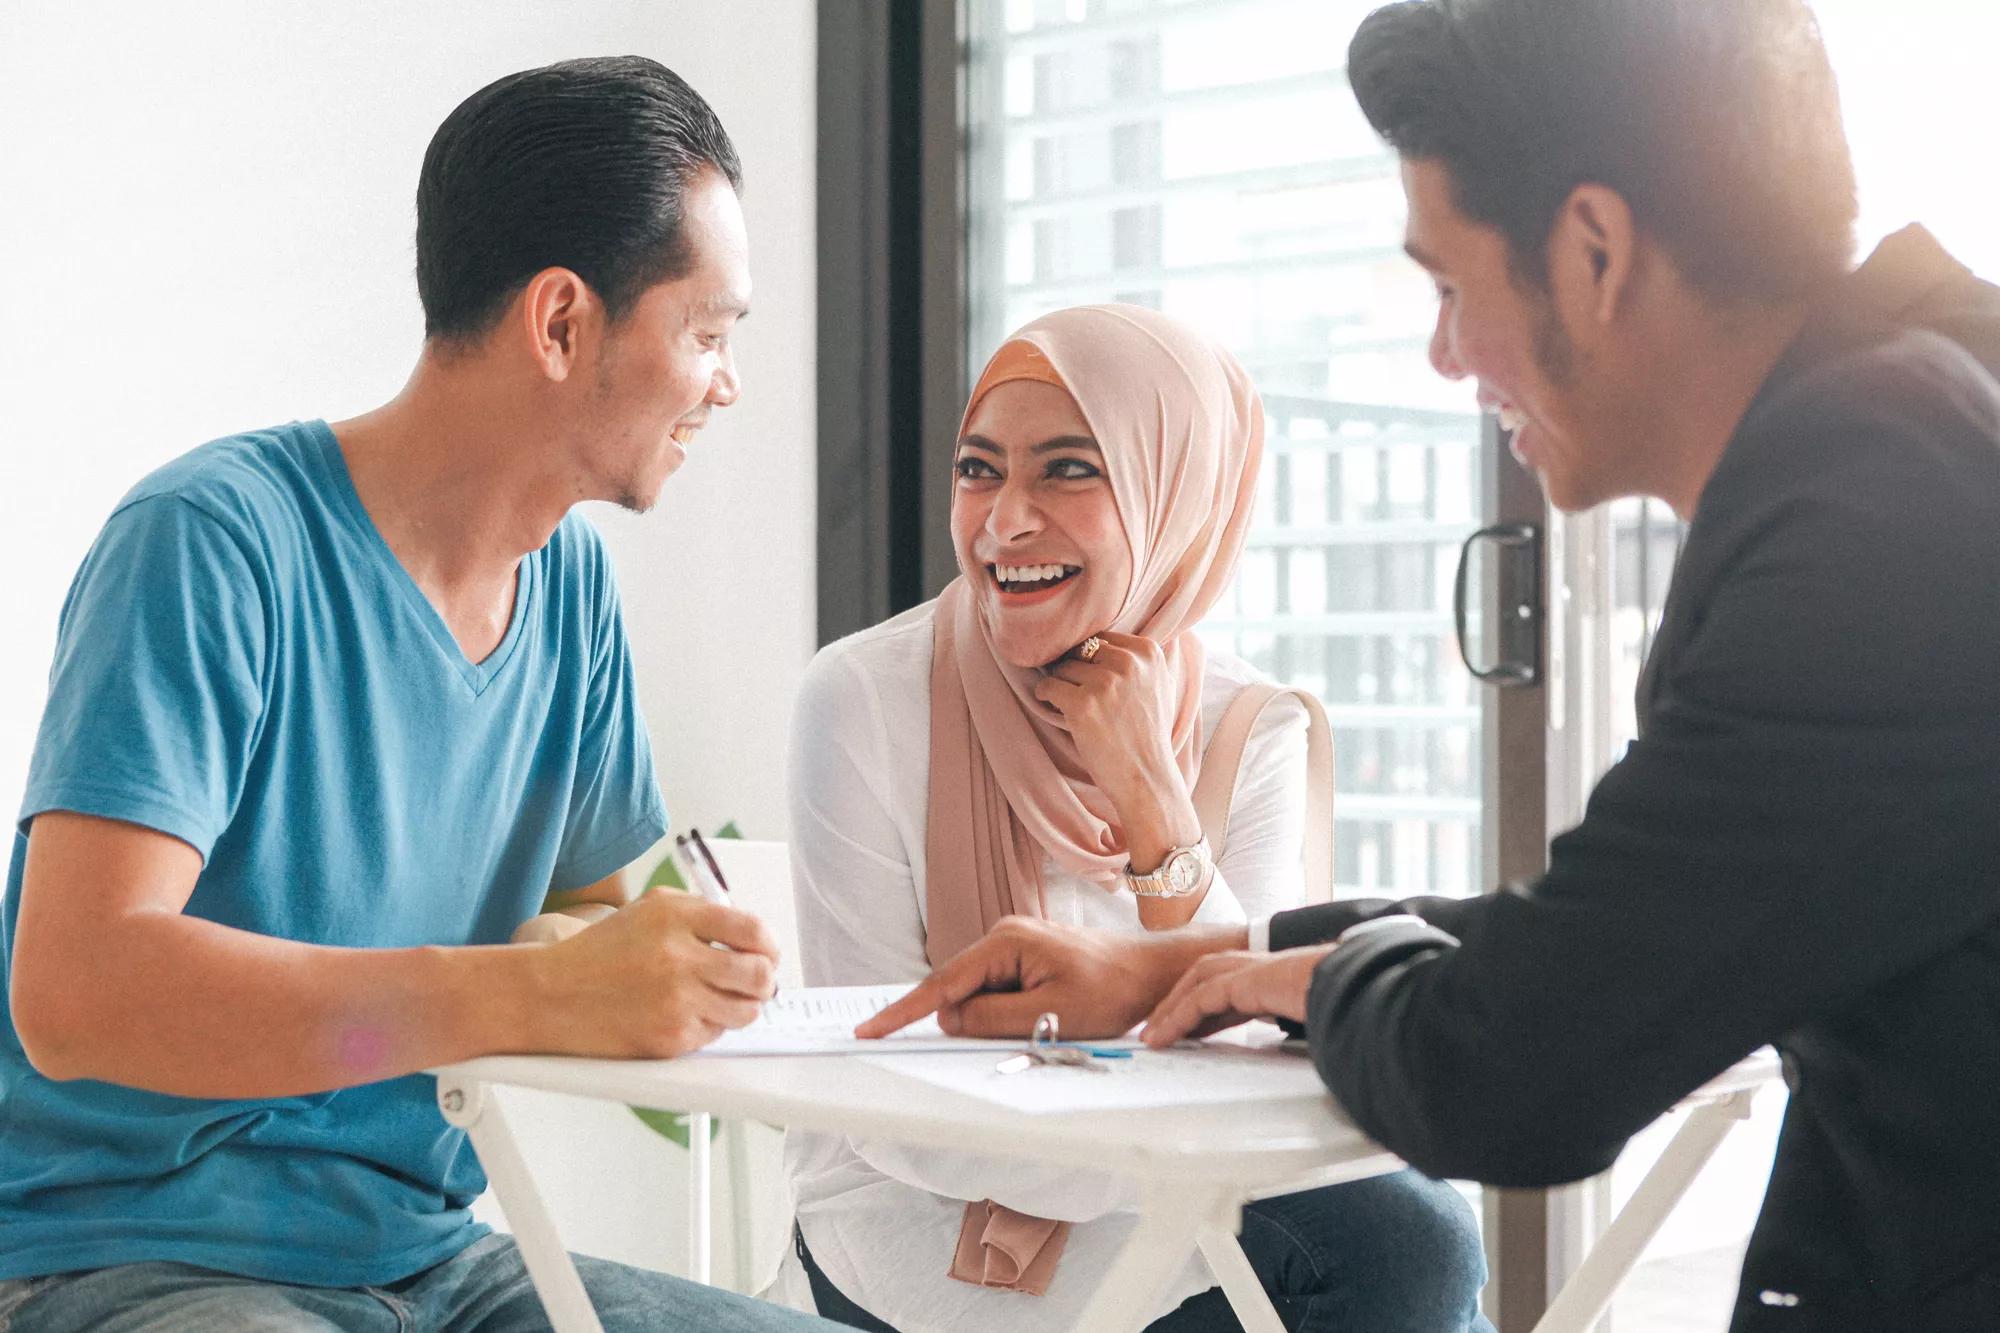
pixel 1046 1051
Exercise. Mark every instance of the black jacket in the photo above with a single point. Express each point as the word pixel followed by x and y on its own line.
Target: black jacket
pixel 1802 849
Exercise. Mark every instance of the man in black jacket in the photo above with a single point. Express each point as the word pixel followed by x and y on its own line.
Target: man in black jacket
pixel 1639 215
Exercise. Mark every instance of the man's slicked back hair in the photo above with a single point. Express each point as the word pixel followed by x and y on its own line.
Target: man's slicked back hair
pixel 583 165
pixel 1718 121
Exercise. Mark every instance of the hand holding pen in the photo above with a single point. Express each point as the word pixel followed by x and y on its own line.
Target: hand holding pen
pixel 704 873
pixel 662 975
pixel 698 864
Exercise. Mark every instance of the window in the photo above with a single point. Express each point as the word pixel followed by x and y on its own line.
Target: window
pixel 1174 155
pixel 1205 157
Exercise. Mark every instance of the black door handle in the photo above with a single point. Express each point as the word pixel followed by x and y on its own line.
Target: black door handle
pixel 1520 587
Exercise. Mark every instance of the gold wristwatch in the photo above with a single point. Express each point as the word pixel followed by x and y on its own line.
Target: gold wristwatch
pixel 1184 871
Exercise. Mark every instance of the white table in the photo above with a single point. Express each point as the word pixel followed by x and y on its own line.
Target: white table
pixel 1195 1166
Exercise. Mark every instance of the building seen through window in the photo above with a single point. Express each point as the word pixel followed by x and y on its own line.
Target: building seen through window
pixel 1206 158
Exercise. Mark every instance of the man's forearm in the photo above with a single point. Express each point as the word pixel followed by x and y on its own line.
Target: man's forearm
pixel 185 1006
pixel 560 923
pixel 588 913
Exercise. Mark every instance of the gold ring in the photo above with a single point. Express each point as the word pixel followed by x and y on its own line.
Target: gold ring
pixel 1091 647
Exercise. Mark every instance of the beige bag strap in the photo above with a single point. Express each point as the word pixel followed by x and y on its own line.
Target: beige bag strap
pixel 1215 786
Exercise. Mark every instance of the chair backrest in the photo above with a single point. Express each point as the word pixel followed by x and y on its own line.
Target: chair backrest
pixel 760 882
pixel 1222 762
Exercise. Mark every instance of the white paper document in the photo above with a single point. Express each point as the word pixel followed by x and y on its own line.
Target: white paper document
pixel 1193 1075
pixel 819 1020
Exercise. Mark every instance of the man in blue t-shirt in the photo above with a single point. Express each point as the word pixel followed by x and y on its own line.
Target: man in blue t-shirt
pixel 341 762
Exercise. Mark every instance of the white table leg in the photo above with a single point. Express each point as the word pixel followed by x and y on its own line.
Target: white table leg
pixel 472 1107
pixel 1587 1295
pixel 700 1239
pixel 742 1235
pixel 1240 1283
pixel 1172 1219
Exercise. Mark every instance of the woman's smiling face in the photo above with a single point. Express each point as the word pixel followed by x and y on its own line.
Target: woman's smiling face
pixel 1035 524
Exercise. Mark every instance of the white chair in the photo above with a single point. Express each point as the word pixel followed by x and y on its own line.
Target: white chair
pixel 760 882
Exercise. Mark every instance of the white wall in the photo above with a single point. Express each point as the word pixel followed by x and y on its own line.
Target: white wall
pixel 206 225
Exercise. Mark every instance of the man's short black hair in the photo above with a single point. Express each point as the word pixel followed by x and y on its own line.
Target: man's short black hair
pixel 583 165
pixel 1717 120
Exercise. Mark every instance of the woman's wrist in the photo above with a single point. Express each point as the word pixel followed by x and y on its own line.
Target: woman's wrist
pixel 1156 815
pixel 1155 822
pixel 1172 913
pixel 1155 812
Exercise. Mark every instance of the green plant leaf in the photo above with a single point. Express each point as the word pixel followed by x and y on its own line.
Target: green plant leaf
pixel 672 1125
pixel 667 875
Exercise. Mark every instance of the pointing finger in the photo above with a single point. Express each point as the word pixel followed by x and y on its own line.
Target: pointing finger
pixel 991 964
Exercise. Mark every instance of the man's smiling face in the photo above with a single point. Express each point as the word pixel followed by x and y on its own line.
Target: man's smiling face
pixel 667 365
pixel 1496 329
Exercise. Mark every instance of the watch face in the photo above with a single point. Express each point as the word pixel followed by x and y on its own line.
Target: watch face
pixel 1185 872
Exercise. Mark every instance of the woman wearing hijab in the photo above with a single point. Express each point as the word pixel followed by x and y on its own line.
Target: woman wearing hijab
pixel 1031 743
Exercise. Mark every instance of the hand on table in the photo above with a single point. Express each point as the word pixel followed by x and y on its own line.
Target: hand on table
pixel 1225 989
pixel 647 982
pixel 1097 983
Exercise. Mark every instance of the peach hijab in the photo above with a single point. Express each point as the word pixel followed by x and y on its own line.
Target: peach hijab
pixel 1182 433
pixel 1181 429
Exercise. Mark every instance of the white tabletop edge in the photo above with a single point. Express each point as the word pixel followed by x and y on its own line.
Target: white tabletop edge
pixel 1251 1141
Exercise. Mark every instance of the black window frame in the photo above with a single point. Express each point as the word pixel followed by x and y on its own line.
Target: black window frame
pixel 891 304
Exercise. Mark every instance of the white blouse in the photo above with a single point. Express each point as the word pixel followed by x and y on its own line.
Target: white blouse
pixel 882 1219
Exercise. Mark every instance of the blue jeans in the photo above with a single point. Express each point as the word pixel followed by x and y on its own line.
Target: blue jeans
pixel 1391 1254
pixel 485 1289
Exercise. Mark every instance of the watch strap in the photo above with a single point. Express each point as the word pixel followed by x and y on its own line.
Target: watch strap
pixel 1159 883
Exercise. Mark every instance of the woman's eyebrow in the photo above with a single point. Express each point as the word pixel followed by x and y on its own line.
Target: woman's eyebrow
pixel 1066 442
pixel 980 442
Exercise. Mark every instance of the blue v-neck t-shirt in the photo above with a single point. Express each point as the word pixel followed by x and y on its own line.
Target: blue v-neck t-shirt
pixel 243 664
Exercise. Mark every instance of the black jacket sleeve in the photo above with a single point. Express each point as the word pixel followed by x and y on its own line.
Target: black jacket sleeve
pixel 1810 814
pixel 1322 922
